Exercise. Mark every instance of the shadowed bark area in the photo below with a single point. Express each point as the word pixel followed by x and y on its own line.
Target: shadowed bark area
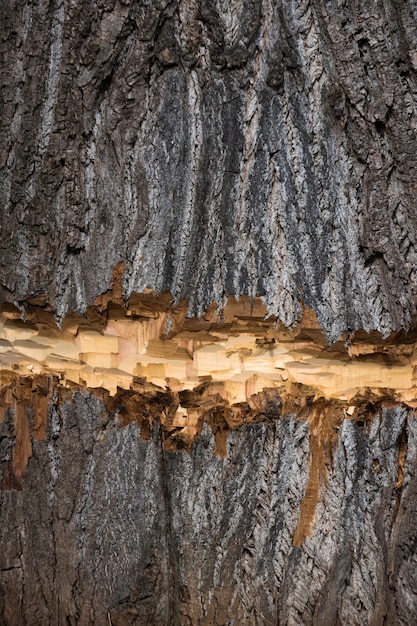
pixel 208 149
pixel 108 528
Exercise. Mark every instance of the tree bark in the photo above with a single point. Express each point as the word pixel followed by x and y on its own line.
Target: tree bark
pixel 262 149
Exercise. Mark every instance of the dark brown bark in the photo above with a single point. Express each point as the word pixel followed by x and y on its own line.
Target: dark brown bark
pixel 216 149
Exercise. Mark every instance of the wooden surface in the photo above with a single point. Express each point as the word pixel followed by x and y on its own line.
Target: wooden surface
pixel 179 155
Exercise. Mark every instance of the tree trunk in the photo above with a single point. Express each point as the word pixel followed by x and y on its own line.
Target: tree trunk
pixel 215 202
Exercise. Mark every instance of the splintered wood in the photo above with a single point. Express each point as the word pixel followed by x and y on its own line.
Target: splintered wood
pixel 242 355
pixel 151 364
pixel 148 359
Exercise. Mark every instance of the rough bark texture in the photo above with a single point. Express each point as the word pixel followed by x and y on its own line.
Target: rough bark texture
pixel 217 148
pixel 265 148
pixel 111 529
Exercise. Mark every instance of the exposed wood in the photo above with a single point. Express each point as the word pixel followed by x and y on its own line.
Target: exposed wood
pixel 208 287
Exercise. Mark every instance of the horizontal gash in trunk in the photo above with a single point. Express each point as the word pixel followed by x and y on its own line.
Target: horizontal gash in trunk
pixel 230 454
pixel 208 312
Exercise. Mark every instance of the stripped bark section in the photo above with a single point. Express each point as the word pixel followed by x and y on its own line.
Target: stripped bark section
pixel 325 421
pixel 23 446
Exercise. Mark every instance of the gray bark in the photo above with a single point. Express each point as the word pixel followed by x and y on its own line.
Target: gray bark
pixel 111 529
pixel 265 148
pixel 261 148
